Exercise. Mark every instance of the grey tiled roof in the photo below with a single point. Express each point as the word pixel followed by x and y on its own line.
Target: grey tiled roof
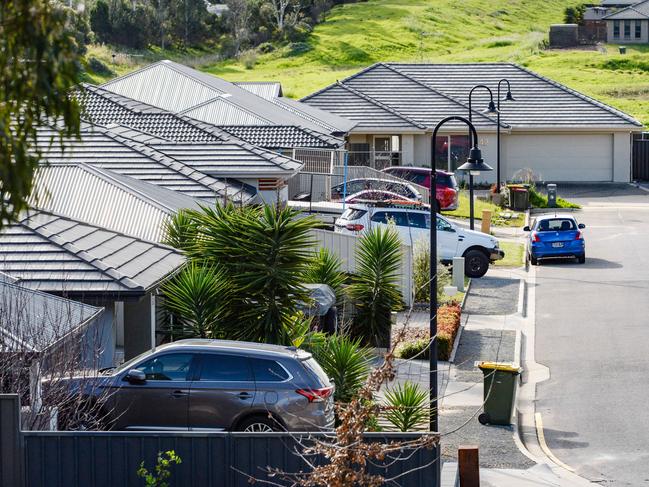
pixel 107 199
pixel 426 93
pixel 35 321
pixel 229 160
pixel 181 89
pixel 52 253
pixel 265 89
pixel 104 149
pixel 635 11
pixel 283 137
pixel 102 107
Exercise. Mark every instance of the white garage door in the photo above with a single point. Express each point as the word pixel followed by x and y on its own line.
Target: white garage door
pixel 561 157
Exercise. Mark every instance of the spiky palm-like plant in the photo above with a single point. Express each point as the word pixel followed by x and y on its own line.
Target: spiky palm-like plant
pixel 345 361
pixel 407 406
pixel 374 289
pixel 326 268
pixel 198 299
pixel 180 230
pixel 264 252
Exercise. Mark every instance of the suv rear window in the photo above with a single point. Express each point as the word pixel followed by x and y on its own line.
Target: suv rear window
pixel 447 180
pixel 353 214
pixel 268 371
pixel 314 367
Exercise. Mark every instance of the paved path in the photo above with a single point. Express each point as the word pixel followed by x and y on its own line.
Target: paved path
pixel 592 331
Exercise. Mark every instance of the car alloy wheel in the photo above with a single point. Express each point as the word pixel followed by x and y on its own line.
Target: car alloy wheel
pixel 258 428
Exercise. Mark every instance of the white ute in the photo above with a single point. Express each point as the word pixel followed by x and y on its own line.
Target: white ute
pixel 412 222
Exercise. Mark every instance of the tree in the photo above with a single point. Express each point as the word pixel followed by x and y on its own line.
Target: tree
pixel 238 18
pixel 39 63
pixel 100 21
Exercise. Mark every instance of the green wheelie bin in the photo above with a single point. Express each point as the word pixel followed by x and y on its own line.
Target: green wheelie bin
pixel 499 391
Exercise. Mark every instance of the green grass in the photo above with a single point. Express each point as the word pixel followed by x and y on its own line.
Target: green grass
pixel 498 215
pixel 514 253
pixel 356 35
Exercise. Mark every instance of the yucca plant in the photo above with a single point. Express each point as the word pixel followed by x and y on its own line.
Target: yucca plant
pixel 264 252
pixel 326 268
pixel 421 272
pixel 407 406
pixel 345 361
pixel 374 289
pixel 197 299
pixel 180 230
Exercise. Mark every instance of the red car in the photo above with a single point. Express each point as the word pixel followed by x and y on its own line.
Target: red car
pixel 446 190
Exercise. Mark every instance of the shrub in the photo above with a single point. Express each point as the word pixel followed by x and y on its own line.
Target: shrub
pixel 326 269
pixel 161 473
pixel 538 200
pixel 248 58
pixel 265 47
pixel 421 272
pixel 407 406
pixel 345 361
pixel 374 290
pixel 98 67
pixel 448 324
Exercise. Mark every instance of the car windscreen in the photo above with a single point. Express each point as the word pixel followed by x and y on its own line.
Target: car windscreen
pixel 556 225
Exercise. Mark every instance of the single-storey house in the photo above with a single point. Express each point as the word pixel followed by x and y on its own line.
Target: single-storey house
pixel 94 265
pixel 629 25
pixel 559 133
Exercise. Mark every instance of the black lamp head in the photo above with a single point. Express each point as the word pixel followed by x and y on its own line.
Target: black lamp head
pixel 509 96
pixel 475 163
pixel 491 108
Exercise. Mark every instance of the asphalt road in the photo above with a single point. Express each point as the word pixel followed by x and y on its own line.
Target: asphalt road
pixel 592 331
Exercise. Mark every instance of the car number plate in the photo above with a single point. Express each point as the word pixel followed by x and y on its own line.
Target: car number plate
pixel 557 244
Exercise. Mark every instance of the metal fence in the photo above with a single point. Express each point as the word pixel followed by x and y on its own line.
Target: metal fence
pixel 640 159
pixel 374 159
pixel 110 459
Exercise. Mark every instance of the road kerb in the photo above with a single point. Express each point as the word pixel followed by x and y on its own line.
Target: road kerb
pixel 544 446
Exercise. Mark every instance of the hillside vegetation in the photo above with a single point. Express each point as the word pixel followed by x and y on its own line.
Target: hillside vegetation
pixel 356 35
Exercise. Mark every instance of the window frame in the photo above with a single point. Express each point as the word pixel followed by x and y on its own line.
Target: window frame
pixel 638 29
pixel 627 29
pixel 198 371
pixel 616 29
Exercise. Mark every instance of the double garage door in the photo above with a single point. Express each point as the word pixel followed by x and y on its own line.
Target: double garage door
pixel 577 157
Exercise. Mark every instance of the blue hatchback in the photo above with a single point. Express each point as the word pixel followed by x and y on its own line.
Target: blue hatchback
pixel 556 236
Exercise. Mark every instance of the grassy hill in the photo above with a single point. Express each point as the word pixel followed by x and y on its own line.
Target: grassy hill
pixel 356 35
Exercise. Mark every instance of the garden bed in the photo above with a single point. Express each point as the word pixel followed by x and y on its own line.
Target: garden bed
pixel 416 340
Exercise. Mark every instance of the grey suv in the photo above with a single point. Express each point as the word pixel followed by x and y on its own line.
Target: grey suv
pixel 212 384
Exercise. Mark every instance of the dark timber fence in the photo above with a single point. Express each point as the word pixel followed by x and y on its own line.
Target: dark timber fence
pixel 110 459
pixel 640 158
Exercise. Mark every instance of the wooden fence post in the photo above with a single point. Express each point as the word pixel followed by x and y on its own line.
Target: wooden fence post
pixel 468 466
pixel 11 454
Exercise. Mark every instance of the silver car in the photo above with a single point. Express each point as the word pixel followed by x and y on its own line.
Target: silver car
pixel 201 384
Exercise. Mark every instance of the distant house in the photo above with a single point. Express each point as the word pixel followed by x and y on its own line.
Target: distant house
pixel 559 133
pixel 629 25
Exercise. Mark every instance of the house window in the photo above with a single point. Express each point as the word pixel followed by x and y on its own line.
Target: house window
pixel 451 151
pixel 638 29
pixel 616 29
pixel 627 29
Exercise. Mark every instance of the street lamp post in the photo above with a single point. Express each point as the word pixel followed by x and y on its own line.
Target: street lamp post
pixel 474 162
pixel 490 109
pixel 508 97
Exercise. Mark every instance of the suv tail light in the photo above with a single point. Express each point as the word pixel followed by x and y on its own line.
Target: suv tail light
pixel 354 227
pixel 579 236
pixel 316 395
pixel 535 237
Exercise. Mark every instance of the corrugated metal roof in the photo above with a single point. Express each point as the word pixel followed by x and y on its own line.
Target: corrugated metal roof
pixel 283 137
pixel 107 199
pixel 221 111
pixel 426 93
pixel 101 148
pixel 35 321
pixel 265 89
pixel 52 253
pixel 178 88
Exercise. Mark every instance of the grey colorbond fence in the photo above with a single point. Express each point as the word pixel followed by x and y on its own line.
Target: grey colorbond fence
pixel 111 459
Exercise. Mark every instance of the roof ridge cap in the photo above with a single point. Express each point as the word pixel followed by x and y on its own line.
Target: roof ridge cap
pixel 280 102
pixel 584 97
pixel 225 99
pixel 84 255
pixel 381 105
pixel 338 82
pixel 444 95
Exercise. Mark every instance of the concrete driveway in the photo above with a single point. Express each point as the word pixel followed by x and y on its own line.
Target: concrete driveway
pixel 592 331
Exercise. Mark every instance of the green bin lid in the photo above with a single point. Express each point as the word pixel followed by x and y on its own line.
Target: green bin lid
pixel 503 366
